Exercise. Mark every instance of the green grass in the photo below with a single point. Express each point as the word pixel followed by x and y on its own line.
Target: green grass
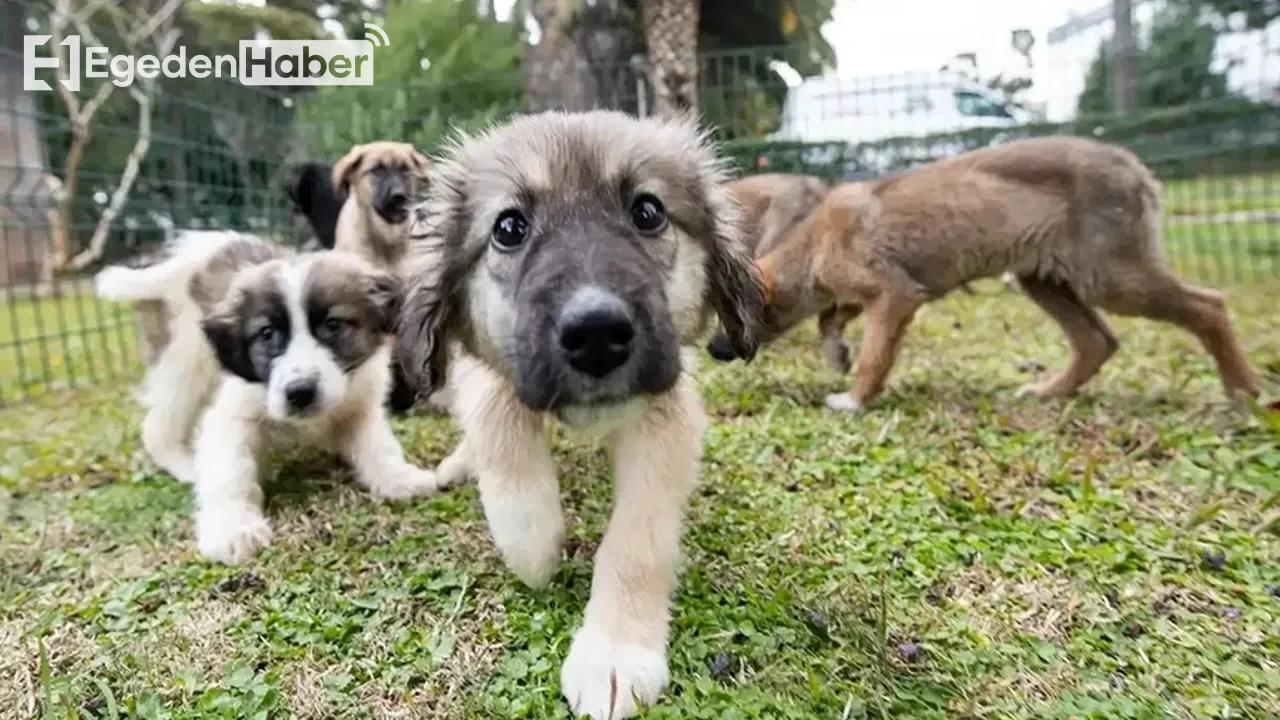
pixel 63 341
pixel 1224 252
pixel 950 553
pixel 1212 194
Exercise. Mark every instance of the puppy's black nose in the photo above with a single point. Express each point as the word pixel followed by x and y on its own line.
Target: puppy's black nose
pixel 393 206
pixel 596 332
pixel 300 394
pixel 719 348
pixel 397 202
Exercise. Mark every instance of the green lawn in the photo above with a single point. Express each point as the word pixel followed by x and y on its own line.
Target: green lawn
pixel 950 553
pixel 1212 194
pixel 1221 252
pixel 55 343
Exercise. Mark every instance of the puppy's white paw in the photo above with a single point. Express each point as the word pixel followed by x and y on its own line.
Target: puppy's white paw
pixel 527 527
pixel 610 681
pixel 843 402
pixel 1036 389
pixel 406 482
pixel 453 470
pixel 535 560
pixel 231 535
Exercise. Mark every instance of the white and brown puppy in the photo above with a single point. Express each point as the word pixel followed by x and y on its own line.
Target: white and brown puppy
pixel 265 345
pixel 571 256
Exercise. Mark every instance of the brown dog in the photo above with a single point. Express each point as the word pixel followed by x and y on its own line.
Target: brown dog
pixel 1077 222
pixel 774 205
pixel 381 180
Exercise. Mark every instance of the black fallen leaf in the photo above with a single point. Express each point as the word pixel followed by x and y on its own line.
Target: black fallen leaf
pixel 1273 590
pixel 816 623
pixel 1213 560
pixel 1134 629
pixel 723 664
pixel 910 652
pixel 239 581
pixel 1030 366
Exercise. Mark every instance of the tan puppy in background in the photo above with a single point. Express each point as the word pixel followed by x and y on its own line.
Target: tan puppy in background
pixel 381 180
pixel 1076 221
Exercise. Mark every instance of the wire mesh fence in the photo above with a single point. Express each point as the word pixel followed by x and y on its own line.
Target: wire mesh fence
pixel 217 155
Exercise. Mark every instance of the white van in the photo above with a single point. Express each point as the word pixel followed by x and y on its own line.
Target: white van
pixel 862 110
pixel 831 109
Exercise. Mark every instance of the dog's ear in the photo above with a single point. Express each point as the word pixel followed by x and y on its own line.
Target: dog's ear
pixel 224 331
pixel 386 290
pixel 346 167
pixel 735 285
pixel 420 164
pixel 420 345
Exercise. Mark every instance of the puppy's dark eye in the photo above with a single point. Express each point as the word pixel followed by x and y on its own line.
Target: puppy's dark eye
pixel 648 215
pixel 511 230
pixel 334 325
pixel 268 334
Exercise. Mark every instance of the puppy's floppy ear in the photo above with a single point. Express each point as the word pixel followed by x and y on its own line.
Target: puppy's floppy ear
pixel 346 167
pixel 419 162
pixel 735 285
pixel 225 333
pixel 386 290
pixel 420 346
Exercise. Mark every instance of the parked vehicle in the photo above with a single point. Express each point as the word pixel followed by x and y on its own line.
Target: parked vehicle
pixel 830 110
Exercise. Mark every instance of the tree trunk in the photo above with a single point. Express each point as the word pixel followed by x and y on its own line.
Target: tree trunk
pixel 1124 66
pixel 671 33
pixel 25 201
pixel 581 59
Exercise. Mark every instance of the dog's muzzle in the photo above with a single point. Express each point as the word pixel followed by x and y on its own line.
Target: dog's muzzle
pixel 720 349
pixel 300 395
pixel 595 332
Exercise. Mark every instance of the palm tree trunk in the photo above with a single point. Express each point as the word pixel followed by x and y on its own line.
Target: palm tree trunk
pixel 1124 67
pixel 671 32
pixel 576 63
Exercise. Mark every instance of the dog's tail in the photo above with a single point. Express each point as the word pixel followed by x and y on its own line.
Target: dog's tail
pixel 185 255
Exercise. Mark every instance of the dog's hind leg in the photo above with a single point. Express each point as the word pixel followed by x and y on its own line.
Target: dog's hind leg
pixel 617 662
pixel 831 341
pixel 1155 293
pixel 887 319
pixel 1091 340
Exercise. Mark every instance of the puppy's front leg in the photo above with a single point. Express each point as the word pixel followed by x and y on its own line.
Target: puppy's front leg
pixel 887 320
pixel 230 526
pixel 618 661
pixel 378 459
pixel 505 447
